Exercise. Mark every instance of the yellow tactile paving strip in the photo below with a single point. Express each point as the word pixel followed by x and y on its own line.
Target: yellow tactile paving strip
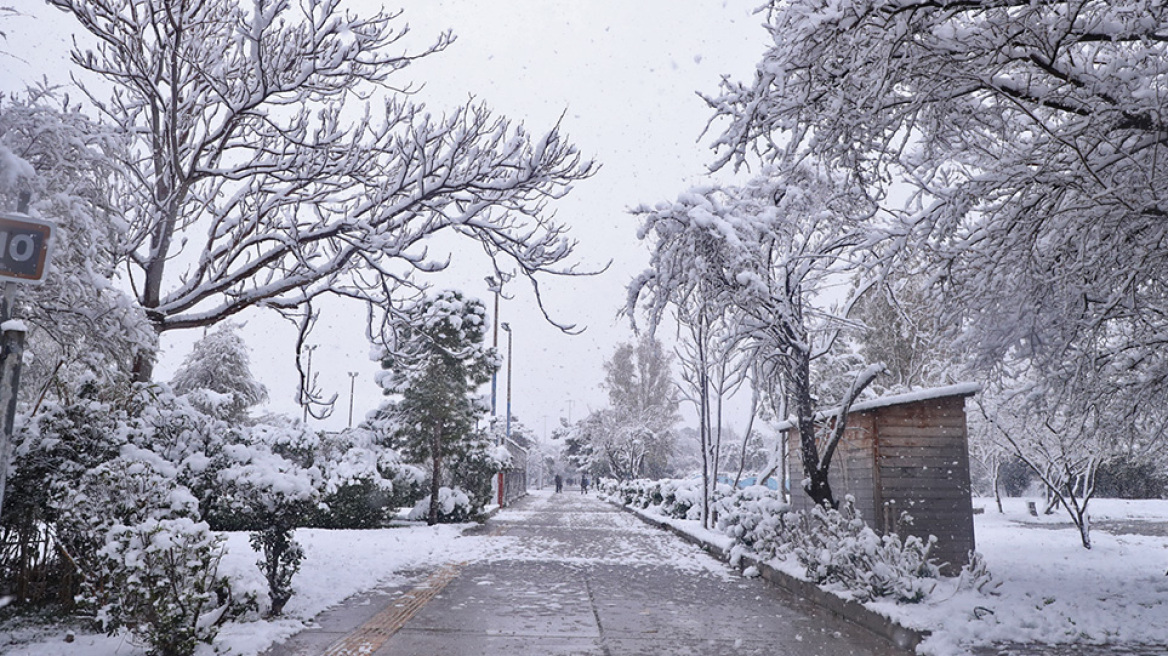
pixel 371 635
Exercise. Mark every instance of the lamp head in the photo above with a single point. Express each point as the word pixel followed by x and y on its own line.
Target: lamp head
pixel 505 326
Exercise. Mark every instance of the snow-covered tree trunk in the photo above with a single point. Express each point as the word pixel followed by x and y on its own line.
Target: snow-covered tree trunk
pixel 435 475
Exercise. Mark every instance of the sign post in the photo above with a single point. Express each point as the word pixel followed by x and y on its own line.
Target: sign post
pixel 24 258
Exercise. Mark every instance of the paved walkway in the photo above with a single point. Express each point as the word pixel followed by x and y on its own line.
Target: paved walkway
pixel 566 574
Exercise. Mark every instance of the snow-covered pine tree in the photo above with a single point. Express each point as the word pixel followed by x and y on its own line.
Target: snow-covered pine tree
pixel 432 373
pixel 217 377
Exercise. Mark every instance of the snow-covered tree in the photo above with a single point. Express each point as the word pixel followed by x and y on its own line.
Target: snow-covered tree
pixel 433 373
pixel 82 324
pixel 217 375
pixel 900 329
pixel 643 400
pixel 759 254
pixel 711 368
pixel 634 436
pixel 272 159
pixel 1032 137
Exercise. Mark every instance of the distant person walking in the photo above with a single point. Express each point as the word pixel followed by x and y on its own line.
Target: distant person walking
pixel 583 484
pixel 559 483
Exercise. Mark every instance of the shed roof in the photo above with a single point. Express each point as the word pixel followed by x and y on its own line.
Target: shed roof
pixel 915 396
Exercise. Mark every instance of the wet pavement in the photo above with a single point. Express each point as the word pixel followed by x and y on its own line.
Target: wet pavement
pixel 567 574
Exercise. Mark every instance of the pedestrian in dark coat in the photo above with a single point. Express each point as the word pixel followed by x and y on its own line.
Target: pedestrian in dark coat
pixel 559 483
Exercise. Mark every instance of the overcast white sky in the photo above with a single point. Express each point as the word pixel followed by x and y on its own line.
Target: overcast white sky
pixel 624 76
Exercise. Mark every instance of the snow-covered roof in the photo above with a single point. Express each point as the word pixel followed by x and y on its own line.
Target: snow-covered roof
pixel 959 389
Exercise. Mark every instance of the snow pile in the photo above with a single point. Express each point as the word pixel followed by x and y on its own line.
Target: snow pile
pixel 1048 589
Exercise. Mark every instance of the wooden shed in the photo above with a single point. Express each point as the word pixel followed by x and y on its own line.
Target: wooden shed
pixel 905 453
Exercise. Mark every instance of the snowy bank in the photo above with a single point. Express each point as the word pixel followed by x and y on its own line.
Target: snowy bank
pixel 337 565
pixel 1050 590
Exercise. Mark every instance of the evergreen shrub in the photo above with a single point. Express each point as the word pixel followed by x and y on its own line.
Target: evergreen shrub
pixel 159 579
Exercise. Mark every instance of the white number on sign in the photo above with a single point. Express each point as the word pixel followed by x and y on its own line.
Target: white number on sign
pixel 21 249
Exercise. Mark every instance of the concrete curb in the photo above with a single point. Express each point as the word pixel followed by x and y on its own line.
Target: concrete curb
pixel 901 636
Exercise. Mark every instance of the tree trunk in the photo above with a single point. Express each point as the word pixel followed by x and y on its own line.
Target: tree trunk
pixel 143 371
pixel 816 484
pixel 997 477
pixel 704 425
pixel 435 477
pixel 746 438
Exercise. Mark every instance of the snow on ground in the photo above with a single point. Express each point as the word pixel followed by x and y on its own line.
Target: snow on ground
pixel 625 545
pixel 337 564
pixel 1052 590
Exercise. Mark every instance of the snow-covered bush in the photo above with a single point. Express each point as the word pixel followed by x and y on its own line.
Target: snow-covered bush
pixel 280 556
pixel 639 493
pixel 108 456
pixel 135 487
pixel 147 564
pixel 679 498
pixel 159 579
pixel 975 575
pixel 836 546
pixel 271 496
pixel 50 455
pixel 833 546
pixel 472 468
pixel 756 518
pixel 364 487
pixel 454 506
pixel 682 498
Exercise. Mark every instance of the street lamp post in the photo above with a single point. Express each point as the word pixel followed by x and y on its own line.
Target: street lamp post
pixel 507 327
pixel 352 387
pixel 494 285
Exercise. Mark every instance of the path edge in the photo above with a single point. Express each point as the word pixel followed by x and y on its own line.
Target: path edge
pixel 846 609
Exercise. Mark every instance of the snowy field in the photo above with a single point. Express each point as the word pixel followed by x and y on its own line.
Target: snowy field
pixel 1052 590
